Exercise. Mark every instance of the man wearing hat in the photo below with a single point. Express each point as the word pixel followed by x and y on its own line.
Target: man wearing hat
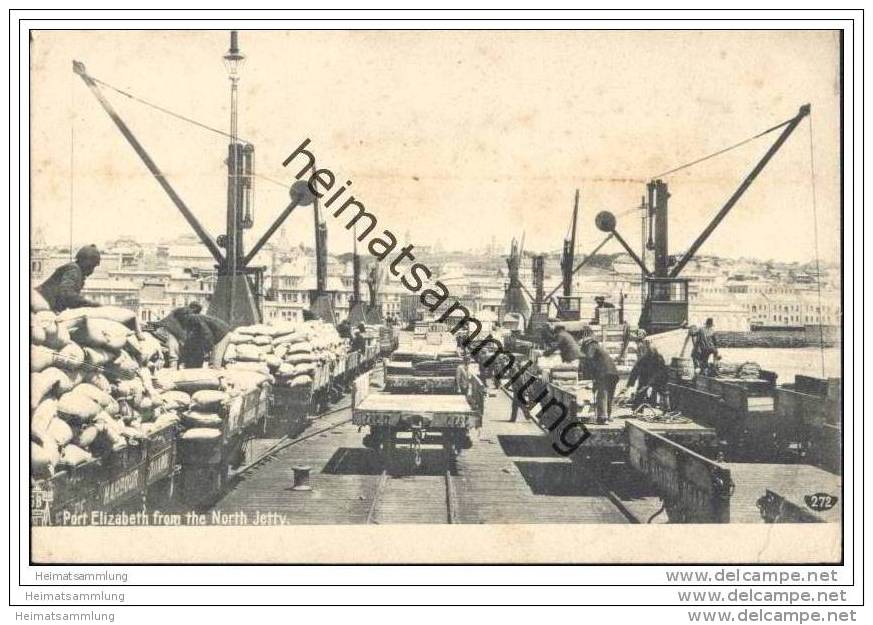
pixel 705 345
pixel 604 375
pixel 564 343
pixel 600 302
pixel 359 340
pixel 650 374
pixel 62 289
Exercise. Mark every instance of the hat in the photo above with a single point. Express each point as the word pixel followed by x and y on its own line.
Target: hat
pixel 599 298
pixel 588 340
pixel 88 253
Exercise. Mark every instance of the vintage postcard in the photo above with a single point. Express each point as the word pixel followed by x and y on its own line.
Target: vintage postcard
pixel 436 296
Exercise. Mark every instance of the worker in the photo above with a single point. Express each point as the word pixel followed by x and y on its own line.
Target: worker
pixel 565 343
pixel 171 333
pixel 604 375
pixel 202 335
pixel 599 304
pixel 359 341
pixel 63 289
pixel 650 374
pixel 221 336
pixel 704 346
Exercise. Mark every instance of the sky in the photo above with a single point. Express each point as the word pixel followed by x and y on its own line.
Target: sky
pixel 450 135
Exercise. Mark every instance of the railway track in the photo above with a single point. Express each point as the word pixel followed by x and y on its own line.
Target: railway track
pixel 413 499
pixel 488 484
pixel 287 441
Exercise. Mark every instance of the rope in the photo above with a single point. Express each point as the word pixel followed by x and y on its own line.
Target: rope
pixel 815 238
pixel 722 151
pixel 167 111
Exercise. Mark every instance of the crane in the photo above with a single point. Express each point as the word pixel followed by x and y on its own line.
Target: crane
pixel 514 302
pixel 357 311
pixel 236 297
pixel 666 293
pixel 567 305
pixel 320 300
pixel 374 279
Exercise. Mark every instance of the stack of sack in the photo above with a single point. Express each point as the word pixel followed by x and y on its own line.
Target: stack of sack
pixel 91 387
pixel 205 397
pixel 290 352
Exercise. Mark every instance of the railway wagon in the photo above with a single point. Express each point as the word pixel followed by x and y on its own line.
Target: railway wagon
pixel 696 489
pixel 813 408
pixel 205 465
pixel 560 406
pixel 414 420
pixel 121 480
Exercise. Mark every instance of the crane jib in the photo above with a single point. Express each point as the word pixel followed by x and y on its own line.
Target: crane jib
pixel 204 236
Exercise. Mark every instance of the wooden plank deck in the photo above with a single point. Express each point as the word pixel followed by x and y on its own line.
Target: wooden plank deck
pixel 510 475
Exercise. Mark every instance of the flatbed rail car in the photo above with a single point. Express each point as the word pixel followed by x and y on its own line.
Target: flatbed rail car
pixel 759 421
pixel 123 478
pixel 695 489
pixel 448 416
pixel 608 441
pixel 388 340
pixel 813 407
pixel 741 411
pixel 401 377
pixel 424 365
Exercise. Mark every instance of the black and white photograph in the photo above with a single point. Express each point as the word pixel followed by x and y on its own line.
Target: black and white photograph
pixel 436 296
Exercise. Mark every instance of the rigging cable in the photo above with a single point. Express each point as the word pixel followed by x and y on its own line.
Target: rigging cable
pixel 722 151
pixel 168 111
pixel 815 239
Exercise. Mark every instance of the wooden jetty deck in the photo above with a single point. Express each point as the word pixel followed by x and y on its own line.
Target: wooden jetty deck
pixel 510 475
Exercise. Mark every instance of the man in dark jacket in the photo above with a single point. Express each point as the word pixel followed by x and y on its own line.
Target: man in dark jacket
pixel 359 341
pixel 704 345
pixel 604 374
pixel 199 341
pixel 650 374
pixel 566 344
pixel 62 289
pixel 171 332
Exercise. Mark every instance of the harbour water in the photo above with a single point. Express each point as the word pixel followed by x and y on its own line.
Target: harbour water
pixel 788 362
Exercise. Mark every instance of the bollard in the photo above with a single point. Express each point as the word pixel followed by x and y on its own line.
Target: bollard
pixel 301 478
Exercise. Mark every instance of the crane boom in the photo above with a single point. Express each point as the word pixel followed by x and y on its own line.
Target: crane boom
pixel 570 251
pixel 789 128
pixel 205 238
